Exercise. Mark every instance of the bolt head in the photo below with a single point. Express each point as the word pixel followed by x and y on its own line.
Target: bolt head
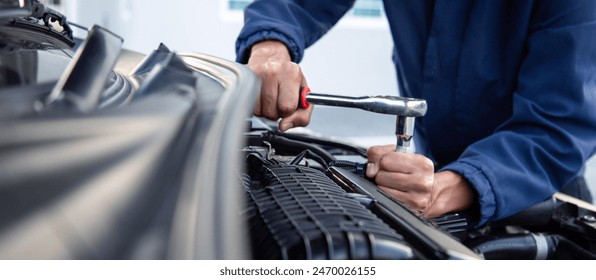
pixel 589 219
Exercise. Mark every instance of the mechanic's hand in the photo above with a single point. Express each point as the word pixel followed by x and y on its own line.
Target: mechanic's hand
pixel 410 178
pixel 281 81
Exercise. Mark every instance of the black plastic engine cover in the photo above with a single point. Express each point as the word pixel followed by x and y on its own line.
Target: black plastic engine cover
pixel 297 212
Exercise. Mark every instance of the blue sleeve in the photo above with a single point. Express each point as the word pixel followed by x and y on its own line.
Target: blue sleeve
pixel 552 131
pixel 296 23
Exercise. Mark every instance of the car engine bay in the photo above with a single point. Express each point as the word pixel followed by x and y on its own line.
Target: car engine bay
pixel 318 207
pixel 106 153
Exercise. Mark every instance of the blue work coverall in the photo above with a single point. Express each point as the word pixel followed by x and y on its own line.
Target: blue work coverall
pixel 510 84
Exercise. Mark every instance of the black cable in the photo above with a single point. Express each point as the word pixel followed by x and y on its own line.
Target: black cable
pixel 354 167
pixel 283 144
pixel 311 155
pixel 78 26
pixel 357 150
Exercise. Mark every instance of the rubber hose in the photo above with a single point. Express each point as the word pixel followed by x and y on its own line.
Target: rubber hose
pixel 518 247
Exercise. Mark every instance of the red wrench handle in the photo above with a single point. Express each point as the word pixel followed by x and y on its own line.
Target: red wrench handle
pixel 302 103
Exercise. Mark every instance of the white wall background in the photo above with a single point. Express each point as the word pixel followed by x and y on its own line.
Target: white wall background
pixel 353 59
pixel 204 26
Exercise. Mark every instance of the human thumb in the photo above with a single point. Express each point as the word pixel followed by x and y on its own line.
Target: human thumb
pixel 285 124
pixel 371 169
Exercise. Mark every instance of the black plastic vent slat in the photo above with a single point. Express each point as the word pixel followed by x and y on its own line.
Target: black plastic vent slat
pixel 308 216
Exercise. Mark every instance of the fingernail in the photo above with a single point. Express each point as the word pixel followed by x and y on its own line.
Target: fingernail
pixel 370 172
